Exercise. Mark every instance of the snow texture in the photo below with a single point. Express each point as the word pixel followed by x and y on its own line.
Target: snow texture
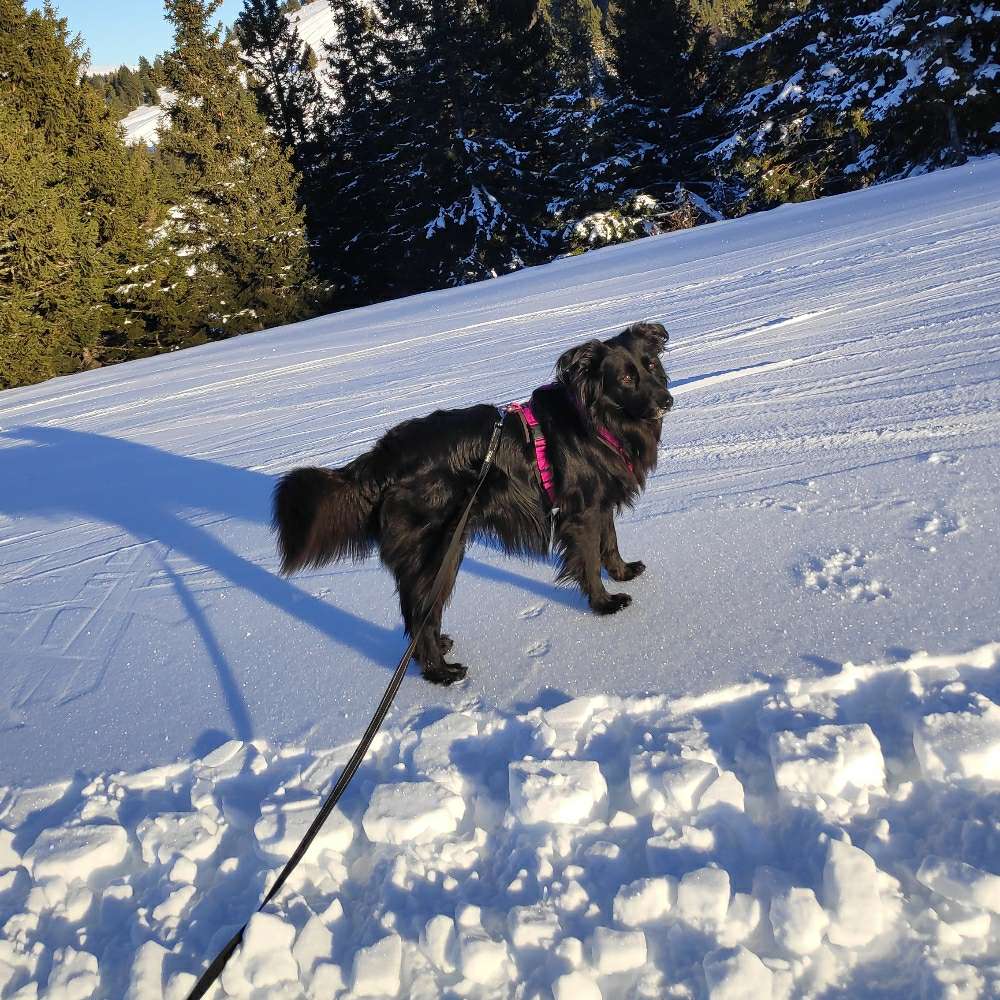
pixel 775 775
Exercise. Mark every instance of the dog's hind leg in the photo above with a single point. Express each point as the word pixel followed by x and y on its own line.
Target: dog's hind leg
pixel 611 558
pixel 413 544
pixel 579 539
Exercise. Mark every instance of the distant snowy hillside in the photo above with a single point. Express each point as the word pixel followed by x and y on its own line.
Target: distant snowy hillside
pixel 315 26
pixel 144 124
pixel 777 774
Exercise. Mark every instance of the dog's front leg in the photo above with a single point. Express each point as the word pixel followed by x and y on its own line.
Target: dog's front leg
pixel 580 543
pixel 611 558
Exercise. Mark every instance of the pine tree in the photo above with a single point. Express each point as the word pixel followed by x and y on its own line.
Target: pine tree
pixel 578 44
pixel 852 91
pixel 351 219
pixel 930 90
pixel 634 176
pixel 232 255
pixel 657 50
pixel 74 204
pixel 430 153
pixel 288 94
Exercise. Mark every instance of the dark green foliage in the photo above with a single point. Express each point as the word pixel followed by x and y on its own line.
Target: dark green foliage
pixel 658 50
pixel 232 255
pixel 853 91
pixel 433 145
pixel 126 89
pixel 74 203
pixel 451 140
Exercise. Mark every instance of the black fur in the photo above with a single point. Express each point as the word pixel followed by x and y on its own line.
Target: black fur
pixel 406 494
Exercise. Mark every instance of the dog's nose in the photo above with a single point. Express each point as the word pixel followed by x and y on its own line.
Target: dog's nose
pixel 668 403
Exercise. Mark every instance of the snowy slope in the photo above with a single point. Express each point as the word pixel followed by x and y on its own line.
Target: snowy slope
pixel 315 25
pixel 144 123
pixel 826 493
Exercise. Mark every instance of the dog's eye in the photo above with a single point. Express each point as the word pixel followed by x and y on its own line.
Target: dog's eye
pixel 650 364
pixel 628 379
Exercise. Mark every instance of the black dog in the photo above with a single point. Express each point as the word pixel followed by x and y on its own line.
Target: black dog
pixel 407 494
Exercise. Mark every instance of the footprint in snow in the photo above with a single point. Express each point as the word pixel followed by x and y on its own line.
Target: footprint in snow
pixel 532 611
pixel 844 574
pixel 937 524
pixel 537 649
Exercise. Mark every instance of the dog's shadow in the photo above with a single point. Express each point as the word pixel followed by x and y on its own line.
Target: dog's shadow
pixel 157 496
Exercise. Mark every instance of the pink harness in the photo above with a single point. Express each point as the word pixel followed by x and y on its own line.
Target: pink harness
pixel 541 455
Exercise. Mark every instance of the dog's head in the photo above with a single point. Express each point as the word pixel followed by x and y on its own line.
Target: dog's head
pixel 621 376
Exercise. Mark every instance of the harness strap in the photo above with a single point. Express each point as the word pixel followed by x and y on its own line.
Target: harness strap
pixel 533 433
pixel 609 439
pixel 541 455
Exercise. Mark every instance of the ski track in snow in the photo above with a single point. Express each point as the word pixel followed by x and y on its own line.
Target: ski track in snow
pixel 825 496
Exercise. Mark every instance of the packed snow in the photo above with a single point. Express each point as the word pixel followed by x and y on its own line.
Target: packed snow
pixel 776 775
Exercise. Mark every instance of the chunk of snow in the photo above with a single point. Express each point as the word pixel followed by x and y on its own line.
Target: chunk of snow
pixel 282 825
pixel 532 926
pixel 960 745
pixel 412 812
pixel 726 789
pixel 74 975
pixel 174 905
pixel 575 986
pixel 377 968
pixel 703 897
pixel 850 894
pixel 223 754
pixel 264 959
pixel 644 901
pixel 9 857
pixel 313 945
pixel 483 960
pixel 617 951
pixel 327 980
pixel 960 882
pixel 828 760
pixel 146 976
pixel 169 836
pixel 665 782
pixel 684 841
pixel 737 974
pixel 797 920
pixel 437 941
pixel 557 791
pixel 742 919
pixel 76 852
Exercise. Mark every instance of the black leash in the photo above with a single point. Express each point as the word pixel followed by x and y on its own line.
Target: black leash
pixel 212 973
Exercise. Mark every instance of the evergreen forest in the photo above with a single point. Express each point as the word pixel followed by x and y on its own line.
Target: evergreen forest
pixel 432 143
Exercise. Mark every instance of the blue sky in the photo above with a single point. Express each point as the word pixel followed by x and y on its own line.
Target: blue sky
pixel 119 31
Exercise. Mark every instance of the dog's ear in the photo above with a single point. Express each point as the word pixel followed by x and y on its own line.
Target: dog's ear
pixel 653 335
pixel 578 369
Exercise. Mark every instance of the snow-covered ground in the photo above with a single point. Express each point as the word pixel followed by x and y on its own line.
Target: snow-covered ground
pixel 776 774
pixel 144 123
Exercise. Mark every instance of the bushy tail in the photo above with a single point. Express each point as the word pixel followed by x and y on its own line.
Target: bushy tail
pixel 322 515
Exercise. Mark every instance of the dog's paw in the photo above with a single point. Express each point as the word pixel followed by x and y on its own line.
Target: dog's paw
pixel 445 643
pixel 629 571
pixel 446 674
pixel 611 604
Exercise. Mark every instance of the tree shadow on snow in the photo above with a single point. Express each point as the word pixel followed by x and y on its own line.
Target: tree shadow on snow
pixel 153 495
